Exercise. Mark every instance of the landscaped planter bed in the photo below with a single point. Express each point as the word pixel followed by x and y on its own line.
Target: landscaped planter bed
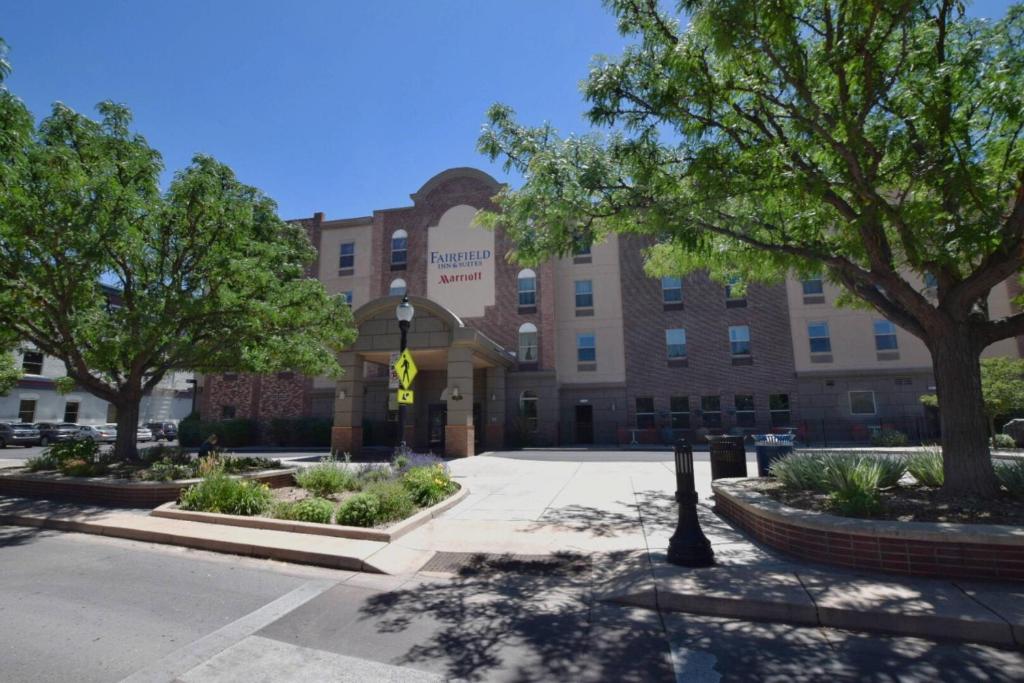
pixel 936 549
pixel 121 492
pixel 386 533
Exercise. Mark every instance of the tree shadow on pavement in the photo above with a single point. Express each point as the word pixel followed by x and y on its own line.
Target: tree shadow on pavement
pixel 530 618
pixel 622 517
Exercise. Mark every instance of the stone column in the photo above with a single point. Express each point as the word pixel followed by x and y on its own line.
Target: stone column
pixel 347 433
pixel 494 434
pixel 458 432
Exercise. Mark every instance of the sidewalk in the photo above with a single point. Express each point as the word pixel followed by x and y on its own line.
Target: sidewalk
pixel 615 516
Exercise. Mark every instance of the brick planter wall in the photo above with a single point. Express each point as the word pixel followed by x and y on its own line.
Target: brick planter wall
pixel 140 494
pixel 912 548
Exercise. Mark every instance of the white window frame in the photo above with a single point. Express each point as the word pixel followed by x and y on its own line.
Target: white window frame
pixel 874 402
pixel 674 414
pixel 580 336
pixel 827 336
pixel 585 289
pixel 396 289
pixel 532 423
pixel 669 344
pixel 888 331
pixel 403 249
pixel 670 283
pixel 735 338
pixel 652 414
pixel 342 256
pixel 526 285
pixel 527 342
pixel 24 361
pixel 819 290
pixel 752 412
pixel 78 410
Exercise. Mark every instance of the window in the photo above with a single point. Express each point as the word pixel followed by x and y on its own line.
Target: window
pixel 397 287
pixel 675 341
pixel 739 340
pixel 930 281
pixel 813 286
pixel 527 286
pixel 227 412
pixel 32 362
pixel 347 256
pixel 527 343
pixel 399 248
pixel 778 409
pixel 584 294
pixel 734 290
pixel 711 411
pixel 817 335
pixel 71 412
pixel 672 290
pixel 645 413
pixel 679 411
pixel 885 336
pixel 528 410
pixel 586 347
pixel 862 402
pixel 347 296
pixel 27 410
pixel 745 415
pixel 581 246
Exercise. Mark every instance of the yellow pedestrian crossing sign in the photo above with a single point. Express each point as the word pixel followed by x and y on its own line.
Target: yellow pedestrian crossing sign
pixel 405 397
pixel 406 369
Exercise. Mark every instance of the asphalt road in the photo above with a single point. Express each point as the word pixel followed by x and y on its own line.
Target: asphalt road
pixel 88 608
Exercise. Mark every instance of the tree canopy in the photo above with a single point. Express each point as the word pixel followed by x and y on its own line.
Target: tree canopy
pixel 1002 386
pixel 123 281
pixel 878 143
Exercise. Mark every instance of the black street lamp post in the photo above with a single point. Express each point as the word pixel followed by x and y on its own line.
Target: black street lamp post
pixel 404 312
pixel 688 547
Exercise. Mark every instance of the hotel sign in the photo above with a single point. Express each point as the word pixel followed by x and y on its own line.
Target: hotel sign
pixel 460 264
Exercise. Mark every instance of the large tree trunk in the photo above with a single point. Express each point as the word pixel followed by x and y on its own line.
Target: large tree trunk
pixel 967 463
pixel 127 429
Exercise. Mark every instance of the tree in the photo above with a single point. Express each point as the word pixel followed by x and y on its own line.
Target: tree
pixel 1002 389
pixel 123 282
pixel 9 373
pixel 877 142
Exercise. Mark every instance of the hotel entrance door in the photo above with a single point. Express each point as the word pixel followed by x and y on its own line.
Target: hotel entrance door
pixel 437 418
pixel 585 424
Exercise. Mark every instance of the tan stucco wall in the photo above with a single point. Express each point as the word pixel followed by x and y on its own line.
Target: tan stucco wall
pixel 606 323
pixel 330 241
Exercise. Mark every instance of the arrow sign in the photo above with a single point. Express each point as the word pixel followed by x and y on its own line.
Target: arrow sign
pixel 405 397
pixel 406 369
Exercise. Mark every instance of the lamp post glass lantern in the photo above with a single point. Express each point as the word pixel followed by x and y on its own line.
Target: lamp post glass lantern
pixel 404 312
pixel 688 547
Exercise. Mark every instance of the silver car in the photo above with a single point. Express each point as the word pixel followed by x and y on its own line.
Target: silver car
pixel 101 433
pixel 18 434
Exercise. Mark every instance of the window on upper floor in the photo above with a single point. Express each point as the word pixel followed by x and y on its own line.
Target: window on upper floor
pixel 347 296
pixel 645 413
pixel 346 258
pixel 739 340
pixel 397 287
pixel 584 293
pixel 527 343
pixel 675 343
pixel 671 290
pixel 818 337
pixel 813 285
pixel 885 336
pixel 32 362
pixel 526 285
pixel 735 292
pixel 399 248
pixel 586 347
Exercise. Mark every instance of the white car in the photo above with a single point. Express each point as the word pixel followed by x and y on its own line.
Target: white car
pixel 144 434
pixel 103 433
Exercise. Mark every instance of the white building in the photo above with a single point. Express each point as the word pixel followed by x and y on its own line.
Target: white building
pixel 36 399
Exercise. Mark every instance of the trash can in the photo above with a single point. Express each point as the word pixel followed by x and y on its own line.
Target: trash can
pixel 728 457
pixel 769 448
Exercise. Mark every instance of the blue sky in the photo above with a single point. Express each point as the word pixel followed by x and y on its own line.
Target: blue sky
pixel 336 106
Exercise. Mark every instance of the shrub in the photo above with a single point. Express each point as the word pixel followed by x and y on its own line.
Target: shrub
pixel 407 461
pixel 1011 475
pixel 43 461
pixel 854 484
pixel 168 470
pixel 362 509
pixel 79 467
pixel 372 474
pixel 800 471
pixel 231 433
pixel 892 469
pixel 218 492
pixel 86 449
pixel 428 485
pixel 1003 441
pixel 309 510
pixel 233 465
pixel 326 478
pixel 161 452
pixel 889 437
pixel 395 501
pixel 926 467
pixel 301 431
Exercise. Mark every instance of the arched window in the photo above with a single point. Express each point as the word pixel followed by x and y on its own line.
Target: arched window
pixel 397 287
pixel 527 343
pixel 528 410
pixel 399 248
pixel 527 285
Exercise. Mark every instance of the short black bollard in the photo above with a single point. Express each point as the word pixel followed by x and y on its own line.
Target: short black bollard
pixel 688 547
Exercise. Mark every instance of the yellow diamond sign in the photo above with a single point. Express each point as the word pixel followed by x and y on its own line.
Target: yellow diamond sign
pixel 406 369
pixel 405 397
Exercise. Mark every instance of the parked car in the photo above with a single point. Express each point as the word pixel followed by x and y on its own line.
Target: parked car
pixel 167 431
pixel 18 434
pixel 103 433
pixel 144 434
pixel 55 432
